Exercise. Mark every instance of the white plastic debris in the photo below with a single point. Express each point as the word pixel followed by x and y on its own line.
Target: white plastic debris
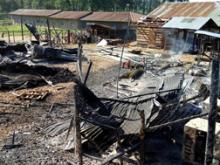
pixel 103 42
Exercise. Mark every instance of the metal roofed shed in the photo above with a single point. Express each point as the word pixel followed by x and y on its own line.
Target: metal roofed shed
pixel 117 21
pixel 68 19
pixel 208 41
pixel 191 16
pixel 179 32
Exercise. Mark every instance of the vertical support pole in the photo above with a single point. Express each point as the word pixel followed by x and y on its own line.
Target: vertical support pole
pixel 62 37
pixel 30 35
pixel 49 32
pixel 76 124
pixel 122 52
pixel 88 71
pixel 80 58
pixel 68 36
pixel 9 37
pixel 13 36
pixel 22 30
pixel 210 141
pixel 45 34
pixel 142 136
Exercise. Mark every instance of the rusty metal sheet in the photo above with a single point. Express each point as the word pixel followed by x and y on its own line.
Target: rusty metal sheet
pixel 113 17
pixel 184 9
pixel 34 12
pixel 73 15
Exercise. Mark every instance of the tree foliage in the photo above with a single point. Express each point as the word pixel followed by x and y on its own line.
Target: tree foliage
pixel 141 6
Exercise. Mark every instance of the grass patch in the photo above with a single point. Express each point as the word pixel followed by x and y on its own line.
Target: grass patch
pixel 13 28
pixel 6 22
pixel 16 29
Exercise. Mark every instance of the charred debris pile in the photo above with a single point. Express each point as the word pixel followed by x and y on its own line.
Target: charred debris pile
pixel 24 65
pixel 144 108
pixel 150 100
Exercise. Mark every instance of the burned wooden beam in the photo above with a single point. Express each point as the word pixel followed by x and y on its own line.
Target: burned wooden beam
pixel 210 141
pixel 22 29
pixel 175 122
pixel 120 154
pixel 76 124
pixel 49 32
pixel 142 136
pixel 88 71
pixel 79 63
pixel 122 52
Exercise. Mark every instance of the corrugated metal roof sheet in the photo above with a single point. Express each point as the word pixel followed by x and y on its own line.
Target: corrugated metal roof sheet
pixel 113 17
pixel 34 12
pixel 73 15
pixel 211 34
pixel 188 9
pixel 193 23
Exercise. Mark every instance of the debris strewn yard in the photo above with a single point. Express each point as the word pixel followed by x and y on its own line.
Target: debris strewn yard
pixel 123 88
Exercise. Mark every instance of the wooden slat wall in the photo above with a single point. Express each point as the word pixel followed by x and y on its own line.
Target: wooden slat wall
pixel 150 37
pixel 150 34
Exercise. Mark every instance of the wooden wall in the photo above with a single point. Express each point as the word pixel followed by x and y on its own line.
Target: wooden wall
pixel 150 33
pixel 150 37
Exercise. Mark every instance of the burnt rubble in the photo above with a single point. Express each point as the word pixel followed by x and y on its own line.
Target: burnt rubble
pixel 49 53
pixel 21 75
pixel 148 104
pixel 35 52
pixel 166 93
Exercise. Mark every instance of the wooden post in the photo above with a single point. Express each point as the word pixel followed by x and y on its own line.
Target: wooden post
pixel 45 34
pixel 68 36
pixel 142 136
pixel 80 58
pixel 13 36
pixel 121 57
pixel 49 32
pixel 9 37
pixel 210 141
pixel 22 29
pixel 30 35
pixel 62 37
pixel 76 124
pixel 88 71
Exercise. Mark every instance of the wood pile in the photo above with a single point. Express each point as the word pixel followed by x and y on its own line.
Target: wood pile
pixel 150 33
pixel 33 95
